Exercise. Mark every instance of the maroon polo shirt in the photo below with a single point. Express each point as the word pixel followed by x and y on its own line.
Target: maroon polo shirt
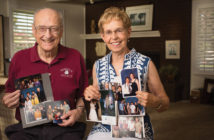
pixel 67 72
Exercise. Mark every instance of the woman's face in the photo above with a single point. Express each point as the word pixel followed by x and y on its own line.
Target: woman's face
pixel 132 76
pixel 115 36
pixel 127 80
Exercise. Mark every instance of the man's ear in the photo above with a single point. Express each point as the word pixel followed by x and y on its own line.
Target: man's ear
pixel 61 31
pixel 34 30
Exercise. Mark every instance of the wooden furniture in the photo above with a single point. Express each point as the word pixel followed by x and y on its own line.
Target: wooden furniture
pixel 133 35
pixel 2 82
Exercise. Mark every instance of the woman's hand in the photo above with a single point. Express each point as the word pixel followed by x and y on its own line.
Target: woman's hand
pixel 147 99
pixel 92 92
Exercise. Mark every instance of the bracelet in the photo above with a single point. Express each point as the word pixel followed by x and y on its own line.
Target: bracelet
pixel 80 106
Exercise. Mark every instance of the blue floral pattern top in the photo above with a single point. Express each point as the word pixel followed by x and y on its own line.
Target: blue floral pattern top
pixel 106 74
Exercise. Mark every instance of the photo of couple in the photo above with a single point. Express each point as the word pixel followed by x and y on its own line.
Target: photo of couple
pixel 93 110
pixel 130 82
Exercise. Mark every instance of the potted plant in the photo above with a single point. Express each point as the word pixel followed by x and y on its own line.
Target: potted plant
pixel 168 73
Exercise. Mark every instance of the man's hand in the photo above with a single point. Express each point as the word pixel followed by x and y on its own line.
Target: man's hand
pixel 11 100
pixel 71 117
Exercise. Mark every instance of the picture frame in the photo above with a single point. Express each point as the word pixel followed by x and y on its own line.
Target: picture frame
pixel 208 91
pixel 141 17
pixel 172 50
pixel 1 47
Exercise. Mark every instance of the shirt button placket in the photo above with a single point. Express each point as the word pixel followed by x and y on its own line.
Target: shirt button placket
pixel 49 71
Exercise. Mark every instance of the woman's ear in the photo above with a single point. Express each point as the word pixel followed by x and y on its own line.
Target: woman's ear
pixel 129 32
pixel 102 36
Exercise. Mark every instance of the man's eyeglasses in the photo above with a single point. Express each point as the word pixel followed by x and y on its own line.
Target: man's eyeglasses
pixel 43 29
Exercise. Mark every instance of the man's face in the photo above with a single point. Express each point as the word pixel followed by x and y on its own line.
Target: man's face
pixel 47 30
pixel 38 89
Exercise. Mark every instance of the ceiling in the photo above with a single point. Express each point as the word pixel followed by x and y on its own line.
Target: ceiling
pixel 75 1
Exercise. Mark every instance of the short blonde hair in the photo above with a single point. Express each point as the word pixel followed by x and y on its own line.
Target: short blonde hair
pixel 114 13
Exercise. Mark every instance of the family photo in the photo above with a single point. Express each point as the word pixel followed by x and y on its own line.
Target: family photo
pixel 130 106
pixel 130 82
pixel 132 127
pixel 116 89
pixel 35 113
pixel 32 91
pixel 56 109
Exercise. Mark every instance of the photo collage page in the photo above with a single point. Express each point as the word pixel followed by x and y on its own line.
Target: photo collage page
pixel 36 102
pixel 118 106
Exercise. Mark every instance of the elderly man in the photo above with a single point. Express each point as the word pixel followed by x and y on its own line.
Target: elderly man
pixel 67 74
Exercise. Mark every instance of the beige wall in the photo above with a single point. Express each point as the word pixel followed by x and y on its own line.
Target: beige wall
pixel 74 19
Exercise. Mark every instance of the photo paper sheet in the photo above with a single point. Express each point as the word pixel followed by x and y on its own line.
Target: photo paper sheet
pixel 130 82
pixel 129 127
pixel 108 107
pixel 130 107
pixel 93 110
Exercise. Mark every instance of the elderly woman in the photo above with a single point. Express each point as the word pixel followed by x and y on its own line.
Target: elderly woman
pixel 115 30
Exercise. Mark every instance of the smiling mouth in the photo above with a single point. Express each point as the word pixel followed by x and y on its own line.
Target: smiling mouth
pixel 48 40
pixel 115 43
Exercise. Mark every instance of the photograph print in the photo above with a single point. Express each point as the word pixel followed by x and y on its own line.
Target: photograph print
pixel 130 82
pixel 104 86
pixel 141 17
pixel 36 113
pixel 107 103
pixel 129 127
pixel 35 91
pixel 93 110
pixel 130 106
pixel 108 107
pixel 57 109
pixel 117 91
pixel 32 90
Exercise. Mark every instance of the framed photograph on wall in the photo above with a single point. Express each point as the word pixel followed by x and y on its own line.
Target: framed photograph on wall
pixel 141 17
pixel 1 47
pixel 172 50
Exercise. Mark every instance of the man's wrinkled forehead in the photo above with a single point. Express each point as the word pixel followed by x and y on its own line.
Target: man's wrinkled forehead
pixel 46 14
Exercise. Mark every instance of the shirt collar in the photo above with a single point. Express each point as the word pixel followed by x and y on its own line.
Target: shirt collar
pixel 35 56
pixel 127 56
